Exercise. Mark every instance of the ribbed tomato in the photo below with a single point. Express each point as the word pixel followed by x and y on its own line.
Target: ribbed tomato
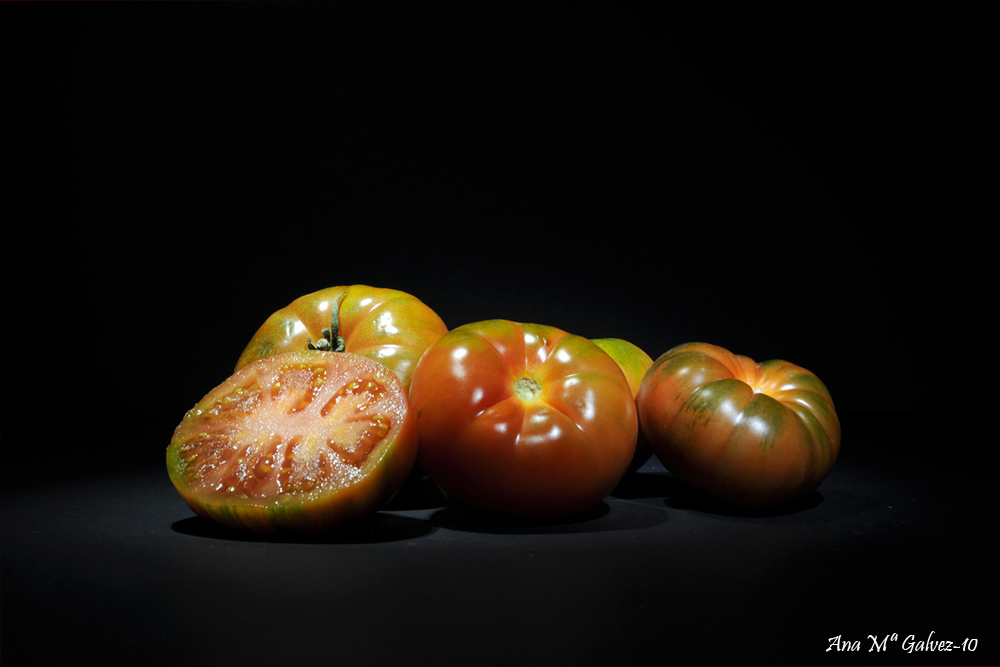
pixel 300 440
pixel 389 326
pixel 634 364
pixel 522 418
pixel 742 432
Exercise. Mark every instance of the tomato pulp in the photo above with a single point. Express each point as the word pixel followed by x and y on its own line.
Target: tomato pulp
pixel 389 326
pixel 745 433
pixel 300 440
pixel 522 418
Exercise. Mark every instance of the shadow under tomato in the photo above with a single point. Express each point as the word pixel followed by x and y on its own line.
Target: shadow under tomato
pixel 679 496
pixel 686 498
pixel 419 493
pixel 602 517
pixel 372 529
pixel 639 485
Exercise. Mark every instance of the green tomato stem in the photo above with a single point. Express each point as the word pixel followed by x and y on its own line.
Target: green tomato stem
pixel 332 341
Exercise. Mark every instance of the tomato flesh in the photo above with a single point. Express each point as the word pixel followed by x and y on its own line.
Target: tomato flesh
pixel 300 440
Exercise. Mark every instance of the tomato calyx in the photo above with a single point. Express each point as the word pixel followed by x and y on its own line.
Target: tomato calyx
pixel 527 389
pixel 331 340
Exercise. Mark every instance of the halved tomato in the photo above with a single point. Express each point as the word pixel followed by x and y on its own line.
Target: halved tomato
pixel 300 440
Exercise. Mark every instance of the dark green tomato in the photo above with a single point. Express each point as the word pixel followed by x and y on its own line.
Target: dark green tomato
pixel 745 433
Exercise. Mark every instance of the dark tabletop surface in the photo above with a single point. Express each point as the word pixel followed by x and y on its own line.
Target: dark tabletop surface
pixel 118 569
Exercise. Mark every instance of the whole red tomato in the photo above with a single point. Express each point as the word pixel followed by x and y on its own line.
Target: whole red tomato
pixel 389 326
pixel 522 418
pixel 742 432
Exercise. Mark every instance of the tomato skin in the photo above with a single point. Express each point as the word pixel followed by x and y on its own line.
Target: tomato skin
pixel 634 363
pixel 557 447
pixel 237 411
pixel 387 325
pixel 745 433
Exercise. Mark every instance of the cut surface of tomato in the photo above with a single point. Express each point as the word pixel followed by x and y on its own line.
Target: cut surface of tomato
pixel 301 440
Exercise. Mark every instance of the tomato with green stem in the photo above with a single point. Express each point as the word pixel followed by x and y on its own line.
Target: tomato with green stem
pixel 387 325
pixel 522 418
pixel 745 433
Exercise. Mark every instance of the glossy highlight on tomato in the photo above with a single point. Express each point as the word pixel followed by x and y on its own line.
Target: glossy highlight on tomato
pixel 387 325
pixel 299 441
pixel 746 433
pixel 522 418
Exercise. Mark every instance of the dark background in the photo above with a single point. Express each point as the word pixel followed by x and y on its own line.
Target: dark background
pixel 763 179
pixel 771 179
